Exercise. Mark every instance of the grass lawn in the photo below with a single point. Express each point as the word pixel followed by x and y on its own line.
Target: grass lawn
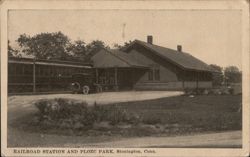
pixel 172 115
pixel 205 112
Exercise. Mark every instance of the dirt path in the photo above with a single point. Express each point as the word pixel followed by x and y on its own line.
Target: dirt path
pixel 101 98
pixel 20 138
pixel 224 139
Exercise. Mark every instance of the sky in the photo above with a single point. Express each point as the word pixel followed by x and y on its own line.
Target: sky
pixel 213 36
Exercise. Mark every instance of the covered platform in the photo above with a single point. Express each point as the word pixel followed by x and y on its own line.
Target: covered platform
pixel 116 70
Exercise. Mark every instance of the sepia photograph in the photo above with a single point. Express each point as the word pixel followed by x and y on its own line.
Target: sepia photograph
pixel 123 78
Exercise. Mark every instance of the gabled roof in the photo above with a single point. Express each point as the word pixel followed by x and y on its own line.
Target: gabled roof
pixel 116 58
pixel 181 59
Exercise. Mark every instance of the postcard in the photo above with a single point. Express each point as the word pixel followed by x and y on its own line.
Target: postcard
pixel 124 78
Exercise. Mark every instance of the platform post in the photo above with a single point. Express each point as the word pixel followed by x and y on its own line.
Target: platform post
pixel 116 82
pixel 34 76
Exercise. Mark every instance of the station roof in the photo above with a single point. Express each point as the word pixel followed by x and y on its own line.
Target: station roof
pixel 109 58
pixel 181 59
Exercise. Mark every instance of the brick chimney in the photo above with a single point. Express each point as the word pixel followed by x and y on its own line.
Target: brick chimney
pixel 150 39
pixel 179 48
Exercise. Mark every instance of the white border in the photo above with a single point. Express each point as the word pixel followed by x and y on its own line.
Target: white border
pixel 242 5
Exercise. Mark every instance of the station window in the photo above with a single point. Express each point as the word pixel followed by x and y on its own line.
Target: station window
pixel 157 74
pixel 111 80
pixel 150 75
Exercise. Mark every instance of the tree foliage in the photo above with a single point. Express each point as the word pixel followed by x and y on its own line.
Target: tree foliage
pixel 44 45
pixel 77 49
pixel 93 47
pixel 120 47
pixel 218 75
pixel 233 74
pixel 13 52
pixel 58 46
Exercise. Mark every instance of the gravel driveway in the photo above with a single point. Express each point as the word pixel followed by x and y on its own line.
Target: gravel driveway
pixel 100 98
pixel 229 139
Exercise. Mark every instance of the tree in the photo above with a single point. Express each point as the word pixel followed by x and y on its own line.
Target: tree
pixel 120 47
pixel 217 75
pixel 93 47
pixel 77 49
pixel 117 46
pixel 44 45
pixel 233 74
pixel 12 52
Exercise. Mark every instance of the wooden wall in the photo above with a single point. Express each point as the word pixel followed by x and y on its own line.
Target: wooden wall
pixel 166 74
pixel 171 76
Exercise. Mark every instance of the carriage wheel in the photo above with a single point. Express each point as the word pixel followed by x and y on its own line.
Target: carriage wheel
pixel 85 90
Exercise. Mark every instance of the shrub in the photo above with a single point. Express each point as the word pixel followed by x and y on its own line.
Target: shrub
pixel 64 112
pixel 152 120
pixel 60 108
pixel 134 119
pixel 42 106
pixel 117 115
pixel 188 91
pixel 100 112
pixel 231 91
pixel 200 91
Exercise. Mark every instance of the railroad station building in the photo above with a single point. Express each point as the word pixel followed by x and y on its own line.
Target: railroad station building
pixel 145 66
pixel 139 66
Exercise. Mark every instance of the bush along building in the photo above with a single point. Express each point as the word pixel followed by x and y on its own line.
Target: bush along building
pixel 138 66
pixel 145 66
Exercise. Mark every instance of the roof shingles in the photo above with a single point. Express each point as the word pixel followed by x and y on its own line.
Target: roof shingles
pixel 185 60
pixel 114 58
